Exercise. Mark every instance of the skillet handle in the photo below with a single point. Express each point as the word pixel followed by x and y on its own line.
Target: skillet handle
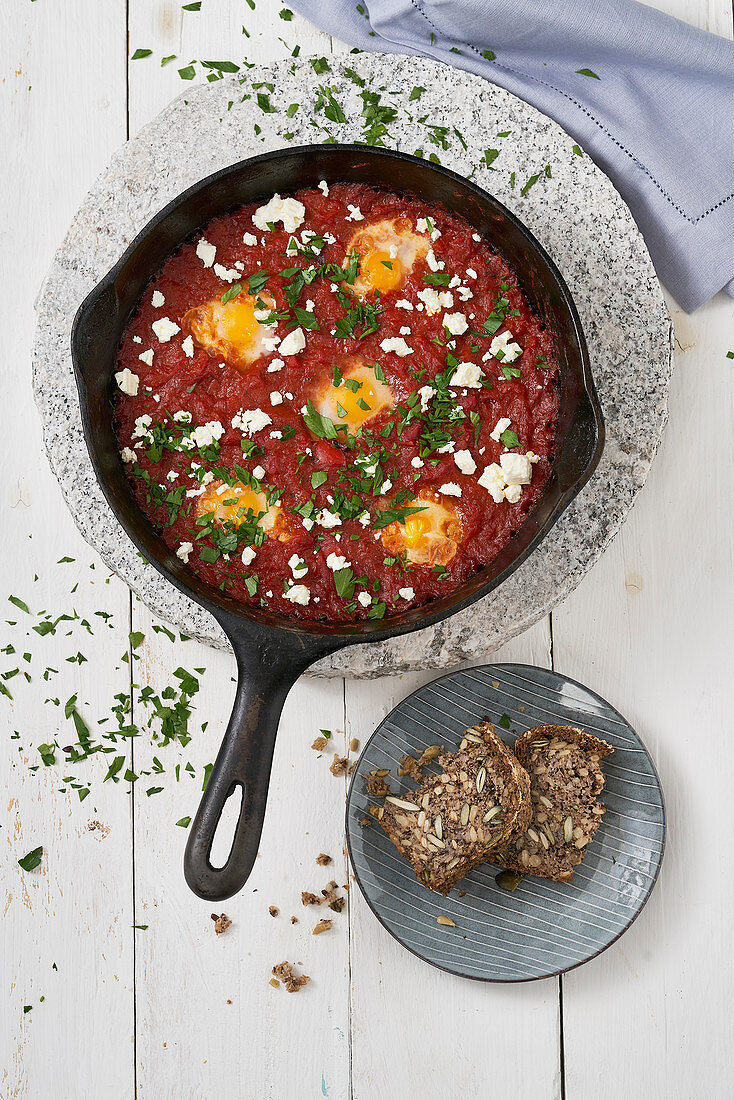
pixel 265 674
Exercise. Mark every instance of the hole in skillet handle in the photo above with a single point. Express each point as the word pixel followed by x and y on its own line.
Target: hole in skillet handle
pixel 269 661
pixel 223 840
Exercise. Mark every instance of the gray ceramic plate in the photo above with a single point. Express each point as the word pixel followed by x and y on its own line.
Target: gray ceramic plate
pixel 543 928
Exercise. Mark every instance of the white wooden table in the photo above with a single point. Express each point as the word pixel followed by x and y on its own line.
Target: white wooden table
pixel 175 1011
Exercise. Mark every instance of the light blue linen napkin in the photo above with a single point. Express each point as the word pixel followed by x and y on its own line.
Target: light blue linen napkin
pixel 649 98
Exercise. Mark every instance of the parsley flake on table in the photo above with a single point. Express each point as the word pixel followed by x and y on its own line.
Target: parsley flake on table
pixel 32 860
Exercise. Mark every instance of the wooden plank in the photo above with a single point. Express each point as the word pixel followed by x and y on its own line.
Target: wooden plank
pixel 266 1042
pixel 63 112
pixel 259 1041
pixel 650 629
pixel 662 600
pixel 416 1029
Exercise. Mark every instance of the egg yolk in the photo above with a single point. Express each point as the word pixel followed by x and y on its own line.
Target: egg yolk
pixel 237 321
pixel 235 504
pixel 239 504
pixel 358 398
pixel 358 405
pixel 415 526
pixel 228 330
pixel 381 272
pixel 387 251
pixel 430 537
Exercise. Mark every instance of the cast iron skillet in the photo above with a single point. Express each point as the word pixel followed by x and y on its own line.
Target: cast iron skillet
pixel 271 650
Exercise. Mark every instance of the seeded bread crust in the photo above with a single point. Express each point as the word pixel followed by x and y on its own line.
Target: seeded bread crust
pixel 453 821
pixel 565 778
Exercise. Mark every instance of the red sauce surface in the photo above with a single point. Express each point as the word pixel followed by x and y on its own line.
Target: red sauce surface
pixel 212 389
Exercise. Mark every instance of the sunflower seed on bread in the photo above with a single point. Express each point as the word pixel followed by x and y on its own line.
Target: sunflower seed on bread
pixel 564 765
pixel 451 822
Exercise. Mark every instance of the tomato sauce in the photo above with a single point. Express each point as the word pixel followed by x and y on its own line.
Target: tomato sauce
pixel 338 495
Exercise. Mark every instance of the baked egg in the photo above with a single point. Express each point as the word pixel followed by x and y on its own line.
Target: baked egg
pixel 231 330
pixel 237 504
pixel 387 252
pixel 430 537
pixel 358 397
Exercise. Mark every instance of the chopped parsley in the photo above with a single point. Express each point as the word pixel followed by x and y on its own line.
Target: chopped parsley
pixel 32 860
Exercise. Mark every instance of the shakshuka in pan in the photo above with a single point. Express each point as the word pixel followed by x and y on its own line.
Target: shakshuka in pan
pixel 337 405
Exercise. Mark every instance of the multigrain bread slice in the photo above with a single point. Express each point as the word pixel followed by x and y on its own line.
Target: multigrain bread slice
pixel 565 779
pixel 452 821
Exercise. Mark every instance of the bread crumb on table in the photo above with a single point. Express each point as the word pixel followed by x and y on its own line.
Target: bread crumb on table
pixel 322 859
pixel 221 923
pixel 273 910
pixel 320 744
pixel 339 765
pixel 292 982
pixel 322 926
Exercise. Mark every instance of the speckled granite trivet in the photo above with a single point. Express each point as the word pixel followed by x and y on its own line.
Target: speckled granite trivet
pixel 575 213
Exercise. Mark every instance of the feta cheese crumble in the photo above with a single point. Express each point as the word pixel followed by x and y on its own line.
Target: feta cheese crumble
pixel 142 423
pixel 258 473
pixel 502 424
pixel 293 343
pixel 276 365
pixel 337 561
pixel 433 263
pixel 298 593
pixel 364 598
pixel 426 393
pixel 468 375
pixel 157 300
pixel 187 347
pixel 127 381
pixel 276 398
pixel 289 211
pixel 328 519
pixel 465 462
pixel 504 349
pixel 493 481
pixel 398 345
pixel 127 455
pixel 324 188
pixel 248 555
pixel 450 489
pixel 184 551
pixel 435 300
pixel 226 274
pixel 516 468
pixel 424 226
pixel 250 421
pixel 206 252
pixel 297 566
pixel 355 214
pixel 165 328
pixel 249 239
pixel 406 593
pixel 206 434
pixel 456 323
